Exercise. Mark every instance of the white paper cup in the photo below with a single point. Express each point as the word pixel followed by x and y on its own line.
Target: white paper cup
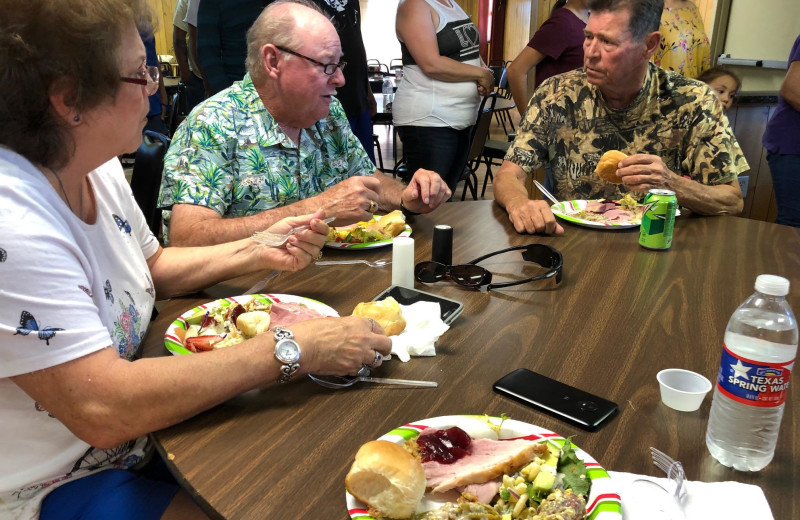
pixel 682 390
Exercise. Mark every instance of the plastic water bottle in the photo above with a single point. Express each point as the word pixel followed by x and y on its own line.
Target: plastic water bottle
pixel 753 379
pixel 388 94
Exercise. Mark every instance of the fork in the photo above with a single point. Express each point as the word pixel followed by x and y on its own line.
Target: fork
pixel 674 471
pixel 550 196
pixel 278 239
pixel 376 263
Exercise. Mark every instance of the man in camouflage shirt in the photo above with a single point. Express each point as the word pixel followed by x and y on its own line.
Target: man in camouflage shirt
pixel 278 143
pixel 673 129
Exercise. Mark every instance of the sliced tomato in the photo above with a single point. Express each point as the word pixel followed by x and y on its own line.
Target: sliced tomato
pixel 202 343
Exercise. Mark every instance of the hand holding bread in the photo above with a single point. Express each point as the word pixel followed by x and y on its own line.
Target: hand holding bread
pixel 386 313
pixel 608 165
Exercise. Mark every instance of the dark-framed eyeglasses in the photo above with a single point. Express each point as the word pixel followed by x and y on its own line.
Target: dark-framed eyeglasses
pixel 147 77
pixel 476 277
pixel 327 68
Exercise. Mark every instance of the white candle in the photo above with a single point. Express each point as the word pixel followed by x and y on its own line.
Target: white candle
pixel 403 262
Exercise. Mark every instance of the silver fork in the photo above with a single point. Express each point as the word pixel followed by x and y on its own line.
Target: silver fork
pixel 552 198
pixel 278 239
pixel 376 263
pixel 674 471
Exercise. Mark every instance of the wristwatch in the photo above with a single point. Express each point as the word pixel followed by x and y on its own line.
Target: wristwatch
pixel 287 351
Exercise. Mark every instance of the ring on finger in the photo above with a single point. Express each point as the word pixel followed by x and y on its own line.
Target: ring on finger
pixel 371 325
pixel 372 206
pixel 319 255
pixel 377 360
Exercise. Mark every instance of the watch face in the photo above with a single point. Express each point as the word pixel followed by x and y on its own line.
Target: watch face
pixel 287 350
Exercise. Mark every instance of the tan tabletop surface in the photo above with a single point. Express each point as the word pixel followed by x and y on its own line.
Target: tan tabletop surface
pixel 621 314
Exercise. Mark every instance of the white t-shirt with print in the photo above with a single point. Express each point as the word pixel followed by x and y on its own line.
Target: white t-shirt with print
pixel 67 289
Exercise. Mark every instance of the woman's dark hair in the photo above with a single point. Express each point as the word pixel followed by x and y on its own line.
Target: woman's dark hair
pixel 645 14
pixel 50 45
pixel 717 72
pixel 558 5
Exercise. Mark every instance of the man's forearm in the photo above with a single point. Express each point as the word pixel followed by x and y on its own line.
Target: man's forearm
pixel 391 192
pixel 723 199
pixel 509 184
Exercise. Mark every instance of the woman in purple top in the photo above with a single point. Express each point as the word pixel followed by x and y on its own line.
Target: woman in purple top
pixel 555 48
pixel 783 145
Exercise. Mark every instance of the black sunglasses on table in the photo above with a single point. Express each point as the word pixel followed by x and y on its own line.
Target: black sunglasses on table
pixel 477 277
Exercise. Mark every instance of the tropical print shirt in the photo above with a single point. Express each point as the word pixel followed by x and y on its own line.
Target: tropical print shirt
pixel 569 126
pixel 230 155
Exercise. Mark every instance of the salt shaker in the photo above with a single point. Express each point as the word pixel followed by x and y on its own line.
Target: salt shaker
pixel 403 262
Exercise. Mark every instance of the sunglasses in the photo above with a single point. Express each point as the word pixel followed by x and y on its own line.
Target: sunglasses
pixel 477 277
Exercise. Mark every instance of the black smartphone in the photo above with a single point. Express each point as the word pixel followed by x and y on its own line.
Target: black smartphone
pixel 404 296
pixel 564 402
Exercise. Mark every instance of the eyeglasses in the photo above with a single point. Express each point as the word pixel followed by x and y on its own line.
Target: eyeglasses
pixel 477 277
pixel 327 68
pixel 146 77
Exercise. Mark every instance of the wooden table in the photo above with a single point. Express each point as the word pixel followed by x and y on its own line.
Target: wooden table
pixel 621 314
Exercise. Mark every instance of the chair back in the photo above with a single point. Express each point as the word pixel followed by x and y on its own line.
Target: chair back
pixel 148 166
pixel 396 63
pixel 502 85
pixel 179 110
pixel 481 129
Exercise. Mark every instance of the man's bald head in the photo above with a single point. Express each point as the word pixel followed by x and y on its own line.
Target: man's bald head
pixel 285 23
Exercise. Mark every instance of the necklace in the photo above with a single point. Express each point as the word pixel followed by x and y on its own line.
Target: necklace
pixel 66 198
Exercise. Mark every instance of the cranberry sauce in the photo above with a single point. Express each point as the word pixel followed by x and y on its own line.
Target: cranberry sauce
pixel 444 446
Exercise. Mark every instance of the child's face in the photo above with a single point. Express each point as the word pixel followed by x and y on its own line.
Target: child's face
pixel 725 87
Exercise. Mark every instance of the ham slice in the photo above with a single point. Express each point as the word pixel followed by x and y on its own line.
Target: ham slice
pixel 488 459
pixel 283 314
pixel 600 207
pixel 484 492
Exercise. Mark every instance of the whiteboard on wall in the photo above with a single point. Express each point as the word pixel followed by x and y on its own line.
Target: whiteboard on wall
pixel 762 29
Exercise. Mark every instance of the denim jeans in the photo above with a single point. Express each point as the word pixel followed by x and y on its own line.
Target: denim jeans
pixel 441 149
pixel 785 171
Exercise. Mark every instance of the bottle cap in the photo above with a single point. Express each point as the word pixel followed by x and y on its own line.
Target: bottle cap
pixel 772 285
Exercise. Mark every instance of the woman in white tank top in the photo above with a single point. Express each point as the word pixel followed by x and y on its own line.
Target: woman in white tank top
pixel 443 82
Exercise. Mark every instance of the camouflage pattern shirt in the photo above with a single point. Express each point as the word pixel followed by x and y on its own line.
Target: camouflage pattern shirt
pixel 230 155
pixel 569 126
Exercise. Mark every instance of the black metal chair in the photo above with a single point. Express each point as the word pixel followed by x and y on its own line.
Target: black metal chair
pixel 148 166
pixel 480 131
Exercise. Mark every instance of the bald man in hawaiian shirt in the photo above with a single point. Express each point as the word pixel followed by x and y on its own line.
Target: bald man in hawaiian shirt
pixel 278 143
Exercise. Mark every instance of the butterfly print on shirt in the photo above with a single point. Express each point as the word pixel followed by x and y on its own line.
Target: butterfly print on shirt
pixel 123 225
pixel 107 289
pixel 27 324
pixel 86 290
pixel 3 255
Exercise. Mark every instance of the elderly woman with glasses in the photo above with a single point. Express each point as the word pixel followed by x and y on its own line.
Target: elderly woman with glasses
pixel 79 273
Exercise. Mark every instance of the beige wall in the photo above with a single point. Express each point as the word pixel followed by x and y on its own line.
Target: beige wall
pixel 164 10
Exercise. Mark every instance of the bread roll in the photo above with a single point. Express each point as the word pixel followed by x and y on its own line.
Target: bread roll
pixel 386 312
pixel 253 322
pixel 393 223
pixel 607 167
pixel 387 478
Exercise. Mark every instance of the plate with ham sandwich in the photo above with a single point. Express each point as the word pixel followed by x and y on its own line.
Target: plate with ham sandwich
pixel 228 321
pixel 622 214
pixel 462 467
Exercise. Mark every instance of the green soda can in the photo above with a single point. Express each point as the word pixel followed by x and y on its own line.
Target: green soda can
pixel 658 219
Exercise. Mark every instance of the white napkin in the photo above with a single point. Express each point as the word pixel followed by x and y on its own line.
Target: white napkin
pixel 424 325
pixel 728 500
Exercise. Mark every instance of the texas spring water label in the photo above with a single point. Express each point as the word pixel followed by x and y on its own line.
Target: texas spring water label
pixel 753 382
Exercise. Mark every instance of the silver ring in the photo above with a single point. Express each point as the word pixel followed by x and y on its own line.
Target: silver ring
pixel 371 325
pixel 377 360
pixel 372 206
